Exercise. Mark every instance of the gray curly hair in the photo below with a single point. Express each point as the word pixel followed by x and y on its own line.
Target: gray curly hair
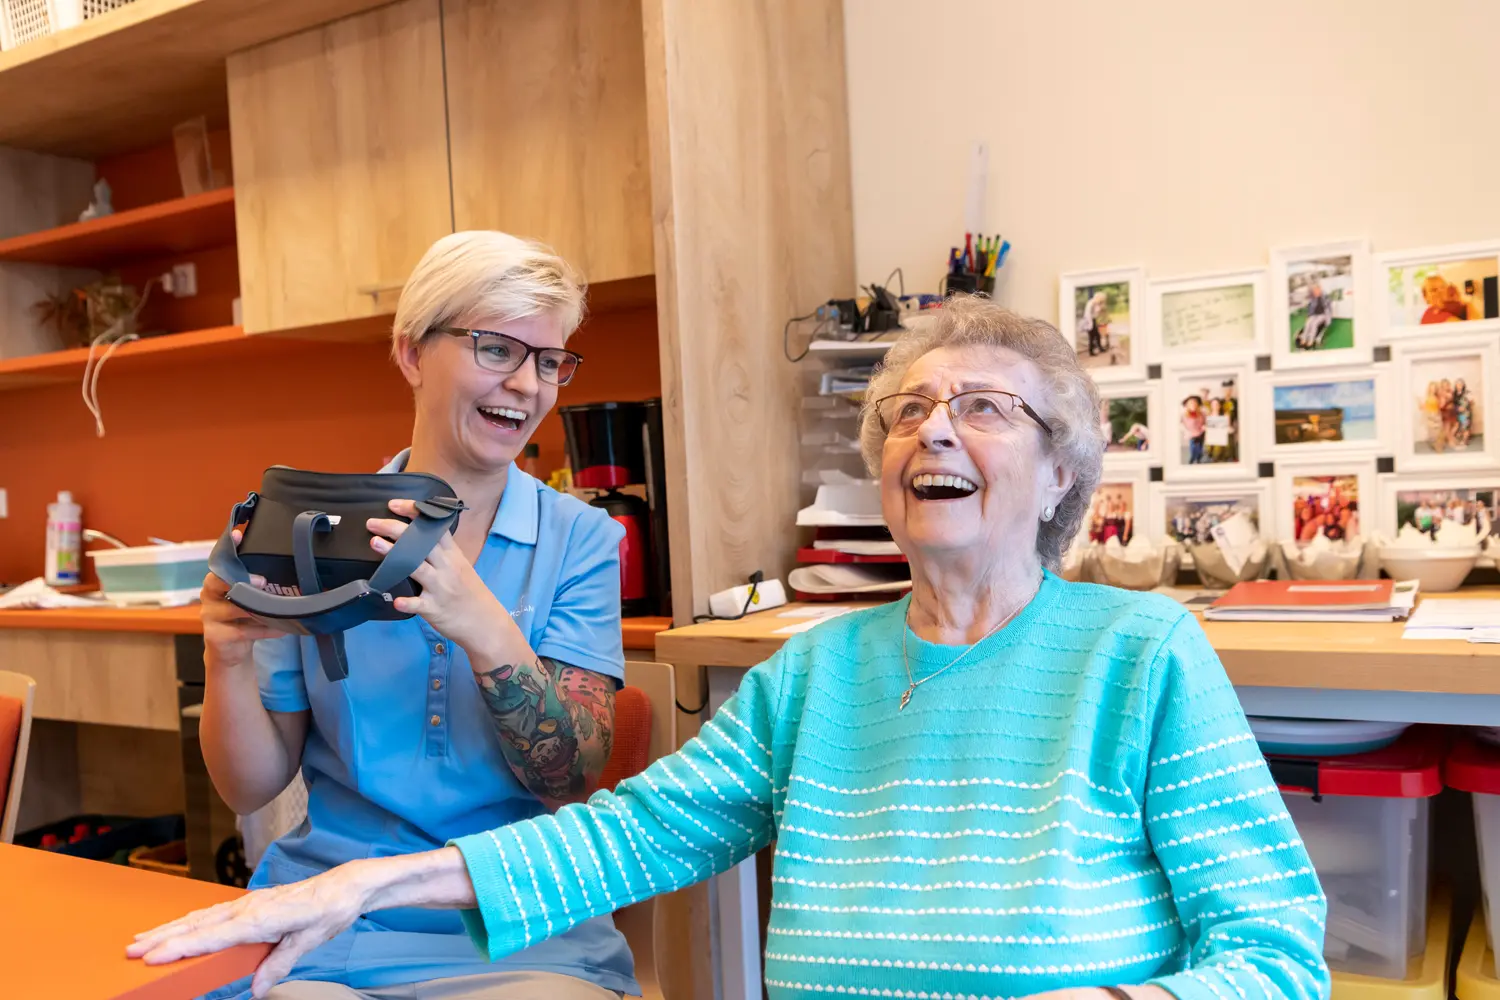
pixel 1070 406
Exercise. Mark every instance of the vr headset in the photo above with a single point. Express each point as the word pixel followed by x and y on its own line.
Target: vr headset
pixel 305 533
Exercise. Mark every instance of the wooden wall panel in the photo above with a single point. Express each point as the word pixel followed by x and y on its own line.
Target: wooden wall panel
pixel 753 222
pixel 340 165
pixel 547 113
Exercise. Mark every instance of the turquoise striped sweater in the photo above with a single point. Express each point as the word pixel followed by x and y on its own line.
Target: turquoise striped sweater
pixel 1079 802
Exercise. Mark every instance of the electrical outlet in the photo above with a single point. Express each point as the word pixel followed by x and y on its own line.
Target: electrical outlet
pixel 184 280
pixel 4 504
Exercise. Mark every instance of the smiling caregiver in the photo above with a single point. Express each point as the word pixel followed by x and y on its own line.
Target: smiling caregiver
pixel 1003 785
pixel 494 705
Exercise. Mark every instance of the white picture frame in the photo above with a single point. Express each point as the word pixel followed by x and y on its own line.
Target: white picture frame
pixel 1391 489
pixel 1124 358
pixel 1417 363
pixel 1207 496
pixel 1314 477
pixel 1138 480
pixel 1279 436
pixel 1402 309
pixel 1344 268
pixel 1189 315
pixel 1181 462
pixel 1155 415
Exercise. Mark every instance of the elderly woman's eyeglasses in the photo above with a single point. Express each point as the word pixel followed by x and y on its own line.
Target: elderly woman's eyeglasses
pixel 983 410
pixel 500 353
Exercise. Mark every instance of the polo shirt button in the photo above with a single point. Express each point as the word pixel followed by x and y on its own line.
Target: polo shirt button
pixel 437 684
pixel 437 720
pixel 440 649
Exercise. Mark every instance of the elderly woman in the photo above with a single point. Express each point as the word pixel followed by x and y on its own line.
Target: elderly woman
pixel 1003 785
pixel 496 705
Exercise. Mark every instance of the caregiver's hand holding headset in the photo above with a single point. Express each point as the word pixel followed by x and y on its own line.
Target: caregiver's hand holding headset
pixel 494 705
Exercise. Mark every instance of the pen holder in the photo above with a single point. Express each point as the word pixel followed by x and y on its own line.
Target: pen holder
pixel 985 285
pixel 961 283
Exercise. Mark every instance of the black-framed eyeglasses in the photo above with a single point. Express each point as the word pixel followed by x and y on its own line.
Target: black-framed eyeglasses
pixel 501 353
pixel 982 410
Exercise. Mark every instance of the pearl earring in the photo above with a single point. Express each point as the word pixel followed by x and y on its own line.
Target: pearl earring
pixel 1047 513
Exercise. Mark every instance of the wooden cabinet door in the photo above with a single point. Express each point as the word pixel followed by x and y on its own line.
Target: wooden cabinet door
pixel 340 165
pixel 547 118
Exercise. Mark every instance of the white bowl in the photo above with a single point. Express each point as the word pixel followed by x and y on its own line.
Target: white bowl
pixel 1436 569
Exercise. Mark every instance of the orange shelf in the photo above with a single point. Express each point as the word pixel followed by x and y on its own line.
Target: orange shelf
pixel 178 226
pixel 55 367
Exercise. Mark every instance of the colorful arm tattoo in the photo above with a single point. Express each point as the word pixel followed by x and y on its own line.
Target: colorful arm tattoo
pixel 556 725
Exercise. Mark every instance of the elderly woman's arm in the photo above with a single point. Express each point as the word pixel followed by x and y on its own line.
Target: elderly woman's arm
pixel 1245 890
pixel 687 817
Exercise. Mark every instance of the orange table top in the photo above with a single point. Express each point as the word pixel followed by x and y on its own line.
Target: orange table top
pixel 639 633
pixel 65 922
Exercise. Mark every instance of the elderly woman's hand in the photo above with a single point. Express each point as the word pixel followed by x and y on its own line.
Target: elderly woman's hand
pixel 454 600
pixel 296 918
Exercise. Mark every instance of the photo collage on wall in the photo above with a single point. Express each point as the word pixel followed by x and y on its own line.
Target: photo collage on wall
pixel 1335 391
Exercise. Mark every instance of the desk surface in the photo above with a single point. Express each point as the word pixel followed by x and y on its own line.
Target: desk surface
pixel 639 633
pixel 1345 656
pixel 65 922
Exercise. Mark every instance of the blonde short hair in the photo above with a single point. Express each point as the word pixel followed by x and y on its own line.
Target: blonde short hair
pixel 486 273
pixel 1070 405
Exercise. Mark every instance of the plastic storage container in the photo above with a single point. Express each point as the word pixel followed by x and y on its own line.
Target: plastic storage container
pixel 1364 820
pixel 1427 975
pixel 1474 767
pixel 168 575
pixel 1476 978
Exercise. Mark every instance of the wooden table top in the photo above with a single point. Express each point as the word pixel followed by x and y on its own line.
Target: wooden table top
pixel 1342 656
pixel 65 922
pixel 639 633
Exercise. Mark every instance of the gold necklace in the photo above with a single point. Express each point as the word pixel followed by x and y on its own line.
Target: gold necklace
pixel 912 684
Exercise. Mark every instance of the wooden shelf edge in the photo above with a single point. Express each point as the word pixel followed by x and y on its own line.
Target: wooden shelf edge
pixel 106 239
pixel 61 366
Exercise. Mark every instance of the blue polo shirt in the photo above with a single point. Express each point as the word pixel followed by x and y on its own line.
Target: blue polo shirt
pixel 402 756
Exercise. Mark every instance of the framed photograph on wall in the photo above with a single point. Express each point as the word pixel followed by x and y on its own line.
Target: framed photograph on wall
pixel 1131 417
pixel 1188 514
pixel 1209 430
pixel 1119 508
pixel 1441 410
pixel 1210 317
pixel 1104 313
pixel 1438 291
pixel 1327 495
pixel 1326 412
pixel 1319 310
pixel 1425 502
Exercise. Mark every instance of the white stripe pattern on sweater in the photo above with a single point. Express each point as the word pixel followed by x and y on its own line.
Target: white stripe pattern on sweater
pixel 573 860
pixel 536 887
pixel 956 834
pixel 1025 939
pixel 868 991
pixel 725 713
pixel 1243 883
pixel 1253 793
pixel 593 856
pixel 1066 968
pixel 961 859
pixel 712 726
pixel 965 884
pixel 961 783
pixel 1284 845
pixel 665 761
pixel 1227 741
pixel 1220 831
pixel 974 911
pixel 1198 779
pixel 510 880
pixel 902 807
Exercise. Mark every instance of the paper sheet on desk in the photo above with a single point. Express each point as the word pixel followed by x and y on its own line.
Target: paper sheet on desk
pixel 1455 619
pixel 36 594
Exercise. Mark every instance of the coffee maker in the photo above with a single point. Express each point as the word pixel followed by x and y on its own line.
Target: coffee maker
pixel 615 447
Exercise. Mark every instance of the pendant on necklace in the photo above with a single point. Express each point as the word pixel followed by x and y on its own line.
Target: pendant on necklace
pixel 906 697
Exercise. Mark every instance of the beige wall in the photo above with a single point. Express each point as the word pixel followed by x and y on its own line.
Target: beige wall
pixel 1186 135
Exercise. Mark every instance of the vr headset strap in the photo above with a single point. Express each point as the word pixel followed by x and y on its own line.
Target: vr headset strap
pixel 224 560
pixel 419 539
pixel 330 647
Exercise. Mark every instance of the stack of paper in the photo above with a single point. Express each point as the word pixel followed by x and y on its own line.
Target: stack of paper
pixel 858 546
pixel 1473 620
pixel 1315 601
pixel 839 578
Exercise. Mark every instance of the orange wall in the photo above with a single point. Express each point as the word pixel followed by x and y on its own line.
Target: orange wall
pixel 185 442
